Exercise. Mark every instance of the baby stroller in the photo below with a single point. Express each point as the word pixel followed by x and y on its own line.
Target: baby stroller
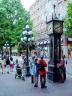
pixel 18 72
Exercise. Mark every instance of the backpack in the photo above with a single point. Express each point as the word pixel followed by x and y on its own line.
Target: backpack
pixel 41 67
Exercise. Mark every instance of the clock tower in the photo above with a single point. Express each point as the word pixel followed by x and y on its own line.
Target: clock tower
pixel 55 30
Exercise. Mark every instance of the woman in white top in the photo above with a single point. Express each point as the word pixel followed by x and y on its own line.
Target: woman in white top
pixel 3 65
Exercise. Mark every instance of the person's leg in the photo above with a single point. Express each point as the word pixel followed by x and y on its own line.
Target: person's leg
pixel 41 81
pixel 36 81
pixel 12 67
pixel 23 74
pixel 8 69
pixel 2 69
pixel 62 76
pixel 44 80
pixel 32 79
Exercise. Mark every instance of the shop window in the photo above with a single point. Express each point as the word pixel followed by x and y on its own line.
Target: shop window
pixel 49 0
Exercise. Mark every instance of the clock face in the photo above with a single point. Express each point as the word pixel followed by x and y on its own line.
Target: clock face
pixel 50 28
pixel 58 27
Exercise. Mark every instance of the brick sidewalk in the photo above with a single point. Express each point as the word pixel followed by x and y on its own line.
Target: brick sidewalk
pixel 9 86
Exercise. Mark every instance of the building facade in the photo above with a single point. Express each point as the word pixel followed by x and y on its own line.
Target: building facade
pixel 43 9
pixel 37 11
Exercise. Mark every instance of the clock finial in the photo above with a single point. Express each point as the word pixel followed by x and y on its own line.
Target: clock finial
pixel 54 12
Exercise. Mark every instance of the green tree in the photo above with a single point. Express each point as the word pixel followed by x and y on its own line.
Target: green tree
pixel 23 46
pixel 13 18
pixel 68 20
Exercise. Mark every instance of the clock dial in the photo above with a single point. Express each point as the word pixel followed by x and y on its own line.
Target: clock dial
pixel 58 27
pixel 57 30
pixel 55 26
pixel 50 28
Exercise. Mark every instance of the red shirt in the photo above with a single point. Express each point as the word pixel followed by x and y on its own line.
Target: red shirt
pixel 42 63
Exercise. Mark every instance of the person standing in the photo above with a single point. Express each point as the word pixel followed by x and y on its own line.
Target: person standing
pixel 0 63
pixel 16 62
pixel 42 72
pixel 37 73
pixel 8 65
pixel 65 59
pixel 3 65
pixel 11 64
pixel 61 66
pixel 23 66
pixel 32 69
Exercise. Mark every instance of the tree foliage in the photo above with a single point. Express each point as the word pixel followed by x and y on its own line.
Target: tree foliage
pixel 13 18
pixel 23 46
pixel 68 20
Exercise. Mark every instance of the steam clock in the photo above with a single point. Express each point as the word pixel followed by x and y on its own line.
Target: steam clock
pixel 55 30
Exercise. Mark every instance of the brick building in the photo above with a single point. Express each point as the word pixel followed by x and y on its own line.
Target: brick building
pixel 37 10
pixel 42 9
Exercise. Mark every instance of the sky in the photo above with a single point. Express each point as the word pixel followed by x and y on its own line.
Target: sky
pixel 27 3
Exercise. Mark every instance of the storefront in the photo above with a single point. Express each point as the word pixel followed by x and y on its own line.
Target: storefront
pixel 69 47
pixel 43 48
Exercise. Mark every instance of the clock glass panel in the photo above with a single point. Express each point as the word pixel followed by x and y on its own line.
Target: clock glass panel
pixel 50 28
pixel 58 27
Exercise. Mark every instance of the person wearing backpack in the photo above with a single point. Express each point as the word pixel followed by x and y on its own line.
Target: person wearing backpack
pixel 42 72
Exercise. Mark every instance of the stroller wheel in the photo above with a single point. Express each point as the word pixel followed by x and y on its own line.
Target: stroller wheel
pixel 19 76
pixel 23 78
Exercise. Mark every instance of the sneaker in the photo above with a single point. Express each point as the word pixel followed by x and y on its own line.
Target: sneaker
pixel 35 85
pixel 43 86
pixel 7 72
pixel 32 82
pixel 23 78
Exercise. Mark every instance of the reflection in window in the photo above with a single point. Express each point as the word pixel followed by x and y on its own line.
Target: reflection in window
pixel 48 0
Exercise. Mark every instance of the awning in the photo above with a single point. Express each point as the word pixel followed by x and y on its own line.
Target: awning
pixel 41 43
pixel 45 42
pixel 15 51
pixel 69 39
pixel 38 43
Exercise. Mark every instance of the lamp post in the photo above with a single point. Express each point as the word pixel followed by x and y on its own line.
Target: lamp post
pixel 6 48
pixel 27 36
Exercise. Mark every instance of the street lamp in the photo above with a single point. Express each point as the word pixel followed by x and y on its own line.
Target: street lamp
pixel 6 47
pixel 27 36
